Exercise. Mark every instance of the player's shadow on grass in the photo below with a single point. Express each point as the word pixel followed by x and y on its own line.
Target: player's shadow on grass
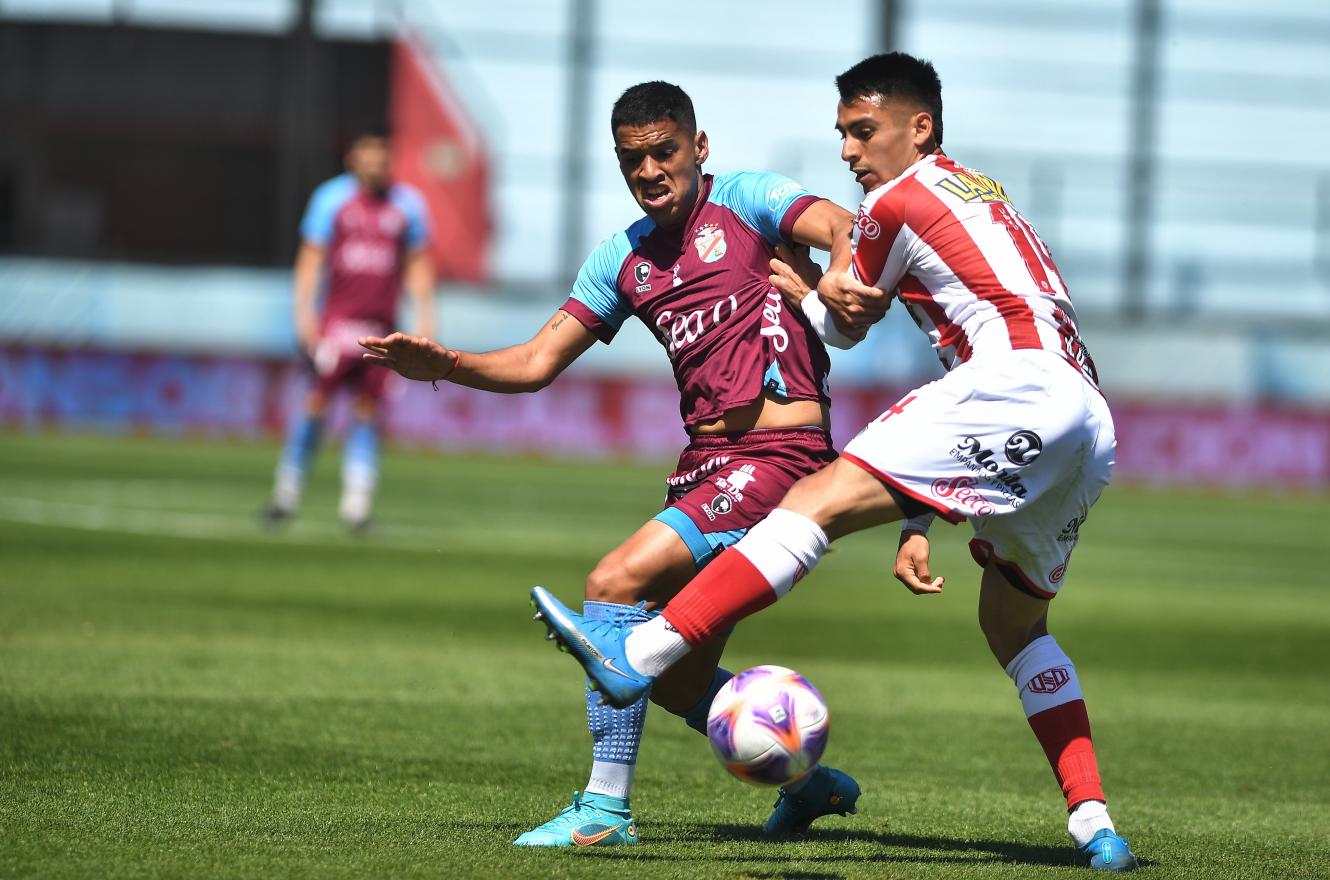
pixel 894 847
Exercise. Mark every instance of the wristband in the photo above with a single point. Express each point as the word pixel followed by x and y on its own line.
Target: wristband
pixel 457 359
pixel 918 523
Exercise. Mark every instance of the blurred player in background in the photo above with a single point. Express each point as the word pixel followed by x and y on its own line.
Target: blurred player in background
pixel 752 378
pixel 363 238
pixel 1016 437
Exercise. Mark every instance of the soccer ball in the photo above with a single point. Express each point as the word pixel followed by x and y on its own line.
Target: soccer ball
pixel 768 725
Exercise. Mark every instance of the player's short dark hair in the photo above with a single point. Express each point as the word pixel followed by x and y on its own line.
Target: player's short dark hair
pixel 895 75
pixel 372 133
pixel 650 102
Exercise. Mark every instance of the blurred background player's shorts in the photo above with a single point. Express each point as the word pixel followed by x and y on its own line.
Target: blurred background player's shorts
pixel 337 361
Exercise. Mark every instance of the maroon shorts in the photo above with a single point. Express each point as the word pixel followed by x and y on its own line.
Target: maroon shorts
pixel 337 361
pixel 726 483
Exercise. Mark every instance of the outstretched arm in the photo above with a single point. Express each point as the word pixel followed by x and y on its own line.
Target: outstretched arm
pixel 526 367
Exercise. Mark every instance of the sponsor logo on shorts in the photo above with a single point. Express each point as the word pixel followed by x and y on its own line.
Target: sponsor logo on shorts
pixel 687 480
pixel 641 272
pixel 1050 681
pixel 1023 447
pixel 961 491
pixel 1071 532
pixel 734 483
pixel 971 453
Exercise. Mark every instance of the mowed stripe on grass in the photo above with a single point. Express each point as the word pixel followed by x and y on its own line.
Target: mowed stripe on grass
pixel 181 695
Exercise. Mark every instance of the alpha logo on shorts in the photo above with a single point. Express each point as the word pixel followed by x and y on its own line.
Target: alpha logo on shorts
pixel 1023 447
pixel 1050 680
pixel 721 504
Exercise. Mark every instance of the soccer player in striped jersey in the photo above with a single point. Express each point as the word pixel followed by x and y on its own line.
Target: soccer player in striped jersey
pixel 752 378
pixel 1016 438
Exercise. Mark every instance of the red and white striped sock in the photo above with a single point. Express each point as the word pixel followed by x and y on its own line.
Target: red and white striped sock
pixel 754 573
pixel 1051 696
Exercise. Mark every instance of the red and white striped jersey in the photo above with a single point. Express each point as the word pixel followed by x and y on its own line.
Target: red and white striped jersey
pixel 972 271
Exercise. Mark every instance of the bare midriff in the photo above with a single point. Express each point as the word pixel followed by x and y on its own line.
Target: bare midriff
pixel 768 411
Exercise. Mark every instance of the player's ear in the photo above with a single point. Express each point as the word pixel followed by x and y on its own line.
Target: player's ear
pixel 922 127
pixel 701 149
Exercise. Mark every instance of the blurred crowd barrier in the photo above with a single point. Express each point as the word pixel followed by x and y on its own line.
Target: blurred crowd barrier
pixel 187 352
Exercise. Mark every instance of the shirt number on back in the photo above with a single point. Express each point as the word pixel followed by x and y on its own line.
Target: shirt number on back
pixel 1032 250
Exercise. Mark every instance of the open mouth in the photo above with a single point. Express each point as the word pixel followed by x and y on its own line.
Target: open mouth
pixel 656 196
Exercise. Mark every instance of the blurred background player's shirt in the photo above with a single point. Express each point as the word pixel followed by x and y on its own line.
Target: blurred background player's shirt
pixel 365 236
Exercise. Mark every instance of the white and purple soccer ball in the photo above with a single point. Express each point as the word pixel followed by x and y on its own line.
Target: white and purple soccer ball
pixel 768 725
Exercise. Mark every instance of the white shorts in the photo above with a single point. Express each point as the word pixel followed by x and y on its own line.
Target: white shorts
pixel 1018 443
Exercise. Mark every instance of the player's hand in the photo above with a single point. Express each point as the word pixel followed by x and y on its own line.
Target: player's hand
pixel 854 307
pixel 794 273
pixel 414 357
pixel 912 564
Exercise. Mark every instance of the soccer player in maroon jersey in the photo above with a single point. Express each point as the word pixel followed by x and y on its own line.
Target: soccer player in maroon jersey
pixel 364 238
pixel 753 396
pixel 1016 437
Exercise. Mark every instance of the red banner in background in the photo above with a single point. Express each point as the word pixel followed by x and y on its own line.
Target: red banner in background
pixel 592 416
pixel 437 149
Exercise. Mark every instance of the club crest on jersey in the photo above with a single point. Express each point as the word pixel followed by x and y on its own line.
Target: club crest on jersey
pixel 709 239
pixel 641 272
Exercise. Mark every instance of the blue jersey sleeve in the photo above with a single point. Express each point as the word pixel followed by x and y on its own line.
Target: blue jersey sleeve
pixel 597 284
pixel 412 204
pixel 328 199
pixel 760 198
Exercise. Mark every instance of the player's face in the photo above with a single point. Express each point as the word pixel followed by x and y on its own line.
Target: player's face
pixel 662 165
pixel 880 138
pixel 370 162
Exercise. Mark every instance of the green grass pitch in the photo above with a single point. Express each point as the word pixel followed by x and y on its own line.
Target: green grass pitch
pixel 183 697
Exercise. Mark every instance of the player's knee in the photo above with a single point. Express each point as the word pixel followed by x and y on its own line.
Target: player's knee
pixel 1006 631
pixel 612 580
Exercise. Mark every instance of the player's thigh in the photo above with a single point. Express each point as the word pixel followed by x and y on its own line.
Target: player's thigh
pixel 369 385
pixel 651 566
pixel 843 498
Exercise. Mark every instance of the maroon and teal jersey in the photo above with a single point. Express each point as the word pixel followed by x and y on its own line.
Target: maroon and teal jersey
pixel 365 237
pixel 702 288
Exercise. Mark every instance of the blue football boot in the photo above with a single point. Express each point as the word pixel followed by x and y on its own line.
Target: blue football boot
pixel 828 791
pixel 598 645
pixel 590 820
pixel 1107 851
